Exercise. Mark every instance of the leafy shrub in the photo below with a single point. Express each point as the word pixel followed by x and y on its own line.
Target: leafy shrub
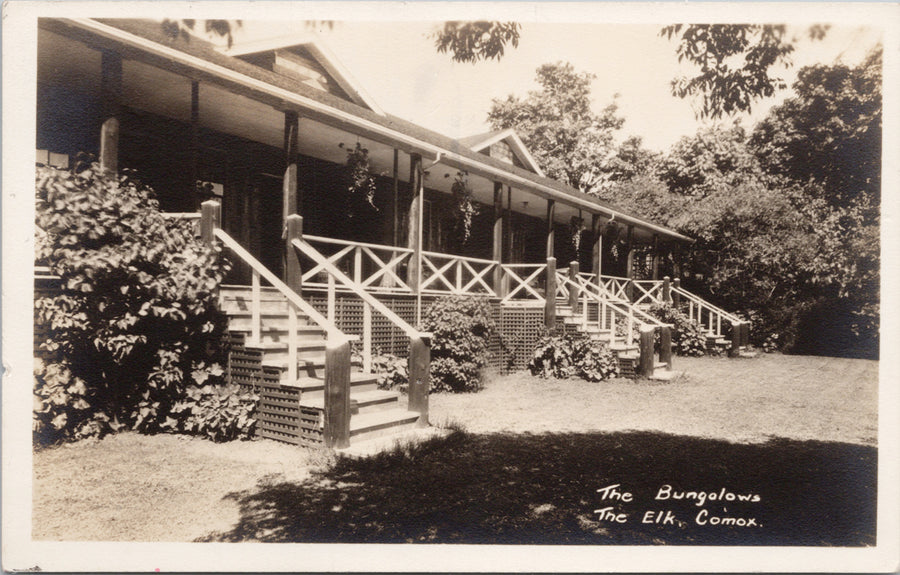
pixel 573 355
pixel 210 407
pixel 462 327
pixel 688 337
pixel 136 311
pixel 392 371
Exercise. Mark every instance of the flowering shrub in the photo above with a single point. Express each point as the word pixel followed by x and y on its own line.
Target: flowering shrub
pixel 573 355
pixel 136 311
pixel 461 328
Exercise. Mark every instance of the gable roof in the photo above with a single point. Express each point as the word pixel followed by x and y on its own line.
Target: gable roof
pixel 479 142
pixel 310 45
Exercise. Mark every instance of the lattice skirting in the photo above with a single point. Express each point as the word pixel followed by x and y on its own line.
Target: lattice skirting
pixel 278 413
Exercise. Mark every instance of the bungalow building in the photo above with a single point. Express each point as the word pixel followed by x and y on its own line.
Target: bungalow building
pixel 262 139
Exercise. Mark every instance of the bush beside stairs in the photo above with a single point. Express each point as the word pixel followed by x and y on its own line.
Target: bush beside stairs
pixel 293 411
pixel 628 355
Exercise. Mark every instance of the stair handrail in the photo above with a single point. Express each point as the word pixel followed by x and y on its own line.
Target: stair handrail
pixel 313 254
pixel 712 311
pixel 258 267
pixel 586 287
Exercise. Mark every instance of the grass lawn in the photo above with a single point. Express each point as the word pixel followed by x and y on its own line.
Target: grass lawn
pixel 796 432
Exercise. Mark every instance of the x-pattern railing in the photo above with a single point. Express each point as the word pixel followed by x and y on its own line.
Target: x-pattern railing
pixel 647 291
pixel 617 286
pixel 445 273
pixel 374 267
pixel 524 281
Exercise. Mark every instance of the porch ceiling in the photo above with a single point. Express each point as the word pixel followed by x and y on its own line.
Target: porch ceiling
pixel 150 88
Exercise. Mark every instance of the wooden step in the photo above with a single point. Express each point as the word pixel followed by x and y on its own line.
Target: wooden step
pixel 311 387
pixel 310 350
pixel 363 401
pixel 366 426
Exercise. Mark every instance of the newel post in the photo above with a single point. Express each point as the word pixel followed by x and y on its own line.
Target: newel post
pixel 550 296
pixel 645 363
pixel 337 393
pixel 419 378
pixel 737 333
pixel 210 219
pixel 666 291
pixel 665 346
pixel 573 292
pixel 676 296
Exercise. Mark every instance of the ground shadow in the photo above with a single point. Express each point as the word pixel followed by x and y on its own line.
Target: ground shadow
pixel 542 489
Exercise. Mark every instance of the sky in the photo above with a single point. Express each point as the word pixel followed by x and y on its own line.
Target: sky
pixel 397 65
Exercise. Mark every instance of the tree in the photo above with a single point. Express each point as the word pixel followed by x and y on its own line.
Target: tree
pixel 570 142
pixel 474 41
pixel 829 133
pixel 735 62
pixel 715 158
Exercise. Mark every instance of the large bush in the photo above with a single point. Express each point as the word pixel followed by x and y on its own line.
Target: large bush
pixel 688 337
pixel 462 327
pixel 573 355
pixel 135 315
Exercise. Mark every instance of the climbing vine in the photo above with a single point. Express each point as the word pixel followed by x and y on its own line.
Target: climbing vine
pixel 576 225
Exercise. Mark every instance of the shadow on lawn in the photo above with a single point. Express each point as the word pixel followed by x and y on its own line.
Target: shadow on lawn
pixel 542 489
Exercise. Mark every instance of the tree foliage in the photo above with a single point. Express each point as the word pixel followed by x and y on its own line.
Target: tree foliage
pixel 734 62
pixel 475 41
pixel 136 314
pixel 570 142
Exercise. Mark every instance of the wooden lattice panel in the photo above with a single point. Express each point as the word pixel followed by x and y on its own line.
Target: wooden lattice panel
pixel 520 329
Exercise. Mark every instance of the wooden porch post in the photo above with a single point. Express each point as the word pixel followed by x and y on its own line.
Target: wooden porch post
pixel 110 102
pixel 676 297
pixel 507 239
pixel 665 346
pixel 655 259
pixel 551 233
pixel 194 144
pixel 413 241
pixel 573 293
pixel 396 205
pixel 550 295
pixel 629 263
pixel 291 201
pixel 210 219
pixel 292 271
pixel 498 239
pixel 666 291
pixel 597 252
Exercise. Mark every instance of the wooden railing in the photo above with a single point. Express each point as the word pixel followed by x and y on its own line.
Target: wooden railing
pixel 704 313
pixel 616 286
pixel 420 342
pixel 526 282
pixel 376 268
pixel 451 274
pixel 583 293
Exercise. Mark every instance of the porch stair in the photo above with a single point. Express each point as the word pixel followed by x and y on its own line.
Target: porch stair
pixel 628 355
pixel 294 411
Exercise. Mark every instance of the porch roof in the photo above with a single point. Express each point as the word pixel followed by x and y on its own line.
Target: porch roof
pixel 146 41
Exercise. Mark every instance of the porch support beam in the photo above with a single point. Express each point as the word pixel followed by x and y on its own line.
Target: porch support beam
pixel 597 249
pixel 499 225
pixel 629 263
pixel 551 233
pixel 194 151
pixel 291 201
pixel 414 237
pixel 655 257
pixel 110 103
pixel 395 188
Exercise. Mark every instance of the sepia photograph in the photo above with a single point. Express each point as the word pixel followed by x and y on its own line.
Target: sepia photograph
pixel 449 287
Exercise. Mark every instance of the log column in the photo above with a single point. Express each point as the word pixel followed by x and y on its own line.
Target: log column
pixel 414 237
pixel 195 145
pixel 551 233
pixel 629 263
pixel 597 250
pixel 291 200
pixel 110 103
pixel 499 225
pixel 655 260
